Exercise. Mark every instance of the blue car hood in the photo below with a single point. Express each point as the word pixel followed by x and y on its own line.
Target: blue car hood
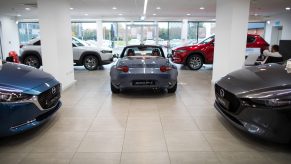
pixel 21 77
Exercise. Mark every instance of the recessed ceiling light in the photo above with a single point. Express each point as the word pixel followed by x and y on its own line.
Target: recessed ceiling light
pixel 158 8
pixel 18 15
pixel 71 8
pixel 288 8
pixel 202 8
pixel 120 14
pixel 27 8
pixel 188 14
pixel 268 22
pixel 114 8
pixel 86 14
pixel 154 14
pixel 256 14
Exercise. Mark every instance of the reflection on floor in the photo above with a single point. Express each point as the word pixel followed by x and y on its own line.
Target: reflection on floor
pixel 95 126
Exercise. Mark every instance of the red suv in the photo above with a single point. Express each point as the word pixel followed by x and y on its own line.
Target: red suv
pixel 196 55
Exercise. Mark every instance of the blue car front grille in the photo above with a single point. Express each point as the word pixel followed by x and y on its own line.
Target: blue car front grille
pixel 50 97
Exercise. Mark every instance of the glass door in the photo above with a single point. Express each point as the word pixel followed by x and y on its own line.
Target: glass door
pixel 142 34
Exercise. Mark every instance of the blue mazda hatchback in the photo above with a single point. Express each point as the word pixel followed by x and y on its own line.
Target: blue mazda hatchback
pixel 28 97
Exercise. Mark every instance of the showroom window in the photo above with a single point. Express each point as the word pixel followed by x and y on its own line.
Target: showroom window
pixel 257 28
pixel 27 31
pixel 85 31
pixel 205 30
pixel 192 32
pixel 175 29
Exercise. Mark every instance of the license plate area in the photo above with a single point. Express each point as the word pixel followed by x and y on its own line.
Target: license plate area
pixel 223 102
pixel 143 82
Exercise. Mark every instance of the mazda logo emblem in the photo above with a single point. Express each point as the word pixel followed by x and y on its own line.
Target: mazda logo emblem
pixel 54 90
pixel 221 92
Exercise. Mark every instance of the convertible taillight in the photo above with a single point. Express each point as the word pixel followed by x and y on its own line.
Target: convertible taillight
pixel 122 68
pixel 165 68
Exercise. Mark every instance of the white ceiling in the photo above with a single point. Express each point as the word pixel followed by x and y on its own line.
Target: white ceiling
pixel 133 9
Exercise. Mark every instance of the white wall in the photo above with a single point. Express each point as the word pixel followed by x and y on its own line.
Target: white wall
pixel 9 35
pixel 285 22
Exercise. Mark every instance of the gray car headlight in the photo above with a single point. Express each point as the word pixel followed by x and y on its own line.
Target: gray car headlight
pixel 272 102
pixel 13 96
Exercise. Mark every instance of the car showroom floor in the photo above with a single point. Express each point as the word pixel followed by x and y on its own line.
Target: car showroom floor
pixel 149 127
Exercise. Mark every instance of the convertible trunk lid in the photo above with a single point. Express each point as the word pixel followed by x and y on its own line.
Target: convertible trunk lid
pixel 143 62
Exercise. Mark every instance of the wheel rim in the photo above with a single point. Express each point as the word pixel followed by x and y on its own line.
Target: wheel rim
pixel 195 62
pixel 31 61
pixel 90 62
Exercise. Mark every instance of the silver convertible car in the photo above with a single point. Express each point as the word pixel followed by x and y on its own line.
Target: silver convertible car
pixel 143 66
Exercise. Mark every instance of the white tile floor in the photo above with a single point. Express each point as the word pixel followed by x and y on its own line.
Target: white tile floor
pixel 94 126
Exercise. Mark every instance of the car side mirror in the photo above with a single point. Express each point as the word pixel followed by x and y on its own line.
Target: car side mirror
pixel 169 55
pixel 212 43
pixel 115 56
pixel 9 59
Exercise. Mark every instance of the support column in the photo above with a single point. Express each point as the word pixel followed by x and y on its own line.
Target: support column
pixel 231 34
pixel 9 36
pixel 184 31
pixel 99 33
pixel 56 40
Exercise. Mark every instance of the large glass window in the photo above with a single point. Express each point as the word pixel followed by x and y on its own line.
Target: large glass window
pixel 163 33
pixel 27 31
pixel 205 30
pixel 175 29
pixel 257 28
pixel 192 32
pixel 85 31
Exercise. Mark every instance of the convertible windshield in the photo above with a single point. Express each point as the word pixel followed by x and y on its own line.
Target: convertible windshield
pixel 143 51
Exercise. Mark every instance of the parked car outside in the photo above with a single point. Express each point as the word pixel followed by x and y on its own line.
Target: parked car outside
pixel 83 54
pixel 28 97
pixel 194 56
pixel 143 66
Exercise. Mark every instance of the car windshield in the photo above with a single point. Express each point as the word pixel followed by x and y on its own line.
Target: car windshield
pixel 207 40
pixel 79 42
pixel 143 51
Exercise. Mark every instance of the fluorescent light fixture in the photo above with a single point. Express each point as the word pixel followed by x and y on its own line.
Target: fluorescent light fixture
pixel 158 8
pixel 114 8
pixel 27 8
pixel 213 19
pixel 202 8
pixel 120 14
pixel 288 8
pixel 145 7
pixel 256 14
pixel 71 8
pixel 86 14
pixel 188 14
pixel 154 14
pixel 18 15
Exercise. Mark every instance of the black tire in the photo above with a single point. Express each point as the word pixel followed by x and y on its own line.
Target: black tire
pixel 114 89
pixel 91 62
pixel 172 90
pixel 194 62
pixel 32 60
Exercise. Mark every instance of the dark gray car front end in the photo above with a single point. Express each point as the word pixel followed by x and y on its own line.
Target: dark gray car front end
pixel 257 100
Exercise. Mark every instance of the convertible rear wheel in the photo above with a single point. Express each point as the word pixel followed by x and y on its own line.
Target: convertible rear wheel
pixel 172 90
pixel 114 89
pixel 195 62
pixel 90 62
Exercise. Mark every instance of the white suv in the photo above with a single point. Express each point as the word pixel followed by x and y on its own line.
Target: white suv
pixel 83 54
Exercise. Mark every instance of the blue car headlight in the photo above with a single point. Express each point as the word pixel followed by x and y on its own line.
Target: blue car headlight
pixel 12 95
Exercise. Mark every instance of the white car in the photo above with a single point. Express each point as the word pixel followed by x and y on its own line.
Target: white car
pixel 83 54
